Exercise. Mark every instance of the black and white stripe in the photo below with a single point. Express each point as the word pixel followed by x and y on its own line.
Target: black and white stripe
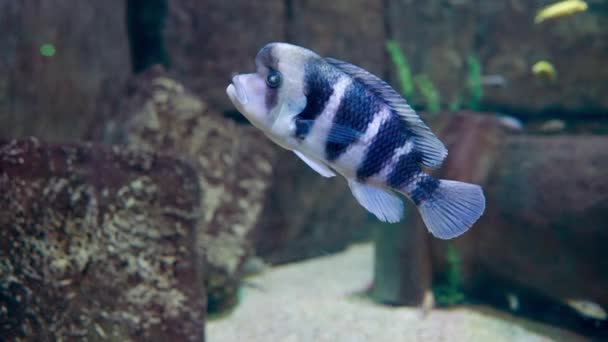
pixel 356 153
pixel 319 86
pixel 267 57
pixel 357 110
pixel 407 176
pixel 383 149
pixel 316 136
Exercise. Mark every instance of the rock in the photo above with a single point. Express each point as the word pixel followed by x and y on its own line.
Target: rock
pixel 234 165
pixel 438 37
pixel 55 97
pixel 306 215
pixel 98 243
pixel 329 29
pixel 208 41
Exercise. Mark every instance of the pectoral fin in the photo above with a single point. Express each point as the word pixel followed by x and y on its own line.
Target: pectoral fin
pixel 318 166
pixel 387 206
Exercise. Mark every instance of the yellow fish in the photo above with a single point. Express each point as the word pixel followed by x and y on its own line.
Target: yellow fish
pixel 560 9
pixel 544 70
pixel 588 309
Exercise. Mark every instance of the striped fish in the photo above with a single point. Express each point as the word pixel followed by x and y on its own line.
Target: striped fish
pixel 340 119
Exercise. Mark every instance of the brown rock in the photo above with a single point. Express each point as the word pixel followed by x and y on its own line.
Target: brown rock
pixel 98 243
pixel 512 53
pixel 55 97
pixel 208 41
pixel 306 215
pixel 349 30
pixel 234 164
pixel 438 37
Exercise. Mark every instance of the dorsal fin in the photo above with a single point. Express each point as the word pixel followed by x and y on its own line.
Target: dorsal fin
pixel 432 149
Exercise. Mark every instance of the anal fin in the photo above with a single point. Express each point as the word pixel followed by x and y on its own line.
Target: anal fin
pixel 384 204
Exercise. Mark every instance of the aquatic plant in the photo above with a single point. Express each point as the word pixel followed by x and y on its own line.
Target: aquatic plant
pixel 455 104
pixel 474 82
pixel 449 292
pixel 403 68
pixel 429 92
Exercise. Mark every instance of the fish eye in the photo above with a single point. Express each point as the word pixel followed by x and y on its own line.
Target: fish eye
pixel 274 79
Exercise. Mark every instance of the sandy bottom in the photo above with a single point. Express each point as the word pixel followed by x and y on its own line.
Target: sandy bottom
pixel 317 300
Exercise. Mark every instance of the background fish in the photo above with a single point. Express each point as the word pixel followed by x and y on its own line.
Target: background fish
pixel 339 118
pixel 560 9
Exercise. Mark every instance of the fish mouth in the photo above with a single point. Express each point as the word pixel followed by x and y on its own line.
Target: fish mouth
pixel 236 92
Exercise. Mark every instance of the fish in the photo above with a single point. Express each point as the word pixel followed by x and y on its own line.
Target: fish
pixel 588 309
pixel 560 9
pixel 544 70
pixel 342 120
pixel 552 126
pixel 511 123
pixel 513 301
pixel 494 81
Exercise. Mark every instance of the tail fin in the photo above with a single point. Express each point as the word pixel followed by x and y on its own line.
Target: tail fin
pixel 452 208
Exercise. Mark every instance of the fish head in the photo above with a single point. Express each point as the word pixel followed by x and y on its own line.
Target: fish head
pixel 271 97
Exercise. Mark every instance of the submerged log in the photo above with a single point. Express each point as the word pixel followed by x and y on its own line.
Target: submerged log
pixel 540 244
pixel 546 227
pixel 540 248
pixel 98 243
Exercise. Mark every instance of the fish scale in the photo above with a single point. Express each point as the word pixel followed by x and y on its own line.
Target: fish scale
pixel 355 113
pixel 383 146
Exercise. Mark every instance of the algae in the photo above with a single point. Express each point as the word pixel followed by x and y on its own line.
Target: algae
pixel 448 292
pixel 403 68
pixel 474 82
pixel 429 92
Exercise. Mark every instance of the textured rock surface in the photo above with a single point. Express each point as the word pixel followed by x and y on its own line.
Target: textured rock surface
pixel 345 29
pixel 306 215
pixel 55 97
pixel 438 36
pixel 234 164
pixel 208 41
pixel 317 300
pixel 97 243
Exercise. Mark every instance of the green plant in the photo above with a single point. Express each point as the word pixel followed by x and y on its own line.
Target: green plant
pixel 449 292
pixel 403 68
pixel 474 82
pixel 429 93
pixel 455 104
